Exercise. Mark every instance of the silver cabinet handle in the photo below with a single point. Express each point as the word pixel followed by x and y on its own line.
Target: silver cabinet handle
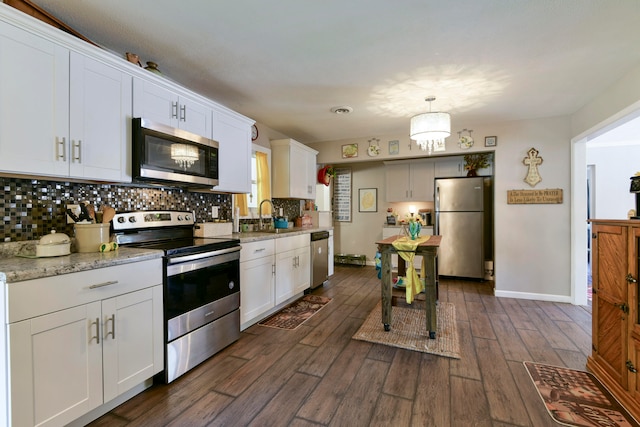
pixel 97 337
pixel 174 110
pixel 111 319
pixel 183 113
pixel 260 250
pixel 76 156
pixel 100 285
pixel 62 144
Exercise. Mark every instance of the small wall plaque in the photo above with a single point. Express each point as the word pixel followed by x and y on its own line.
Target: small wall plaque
pixel 531 197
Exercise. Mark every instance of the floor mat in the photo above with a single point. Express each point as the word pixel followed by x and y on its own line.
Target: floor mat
pixel 296 313
pixel 408 330
pixel 576 398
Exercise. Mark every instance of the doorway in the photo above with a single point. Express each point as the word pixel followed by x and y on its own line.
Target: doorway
pixel 602 156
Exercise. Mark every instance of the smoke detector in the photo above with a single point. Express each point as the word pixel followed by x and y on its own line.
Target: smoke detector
pixel 342 110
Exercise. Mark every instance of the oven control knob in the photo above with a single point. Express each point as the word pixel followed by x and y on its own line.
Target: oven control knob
pixel 179 217
pixel 187 217
pixel 121 219
pixel 132 219
pixel 232 284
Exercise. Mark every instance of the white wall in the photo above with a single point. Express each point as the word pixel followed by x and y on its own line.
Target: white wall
pixel 614 165
pixel 532 242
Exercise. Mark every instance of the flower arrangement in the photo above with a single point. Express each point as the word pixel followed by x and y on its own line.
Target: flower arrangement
pixel 411 218
pixel 476 161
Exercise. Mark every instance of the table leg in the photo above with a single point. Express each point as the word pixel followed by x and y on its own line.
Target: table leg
pixel 430 294
pixel 385 286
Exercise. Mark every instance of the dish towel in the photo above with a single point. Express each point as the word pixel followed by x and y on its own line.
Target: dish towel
pixel 407 250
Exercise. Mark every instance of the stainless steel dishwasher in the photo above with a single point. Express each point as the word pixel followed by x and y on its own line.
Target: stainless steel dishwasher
pixel 319 258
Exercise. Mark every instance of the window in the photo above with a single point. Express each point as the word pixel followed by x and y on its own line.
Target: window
pixel 253 200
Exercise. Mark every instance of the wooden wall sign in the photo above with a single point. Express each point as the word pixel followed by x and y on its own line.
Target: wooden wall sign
pixel 532 197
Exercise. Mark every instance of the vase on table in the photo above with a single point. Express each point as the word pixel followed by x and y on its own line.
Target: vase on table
pixel 414 229
pixel 472 172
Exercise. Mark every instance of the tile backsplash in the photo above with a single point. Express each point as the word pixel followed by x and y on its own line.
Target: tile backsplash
pixel 32 207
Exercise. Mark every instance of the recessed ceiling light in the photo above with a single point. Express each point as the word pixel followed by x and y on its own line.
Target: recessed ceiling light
pixel 342 110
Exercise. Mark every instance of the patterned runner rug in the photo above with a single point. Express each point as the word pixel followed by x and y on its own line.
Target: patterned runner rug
pixel 408 330
pixel 576 398
pixel 296 313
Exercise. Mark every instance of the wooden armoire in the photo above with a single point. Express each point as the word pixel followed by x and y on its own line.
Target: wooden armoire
pixel 615 356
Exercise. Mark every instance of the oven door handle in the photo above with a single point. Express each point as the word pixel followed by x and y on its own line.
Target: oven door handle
pixel 203 255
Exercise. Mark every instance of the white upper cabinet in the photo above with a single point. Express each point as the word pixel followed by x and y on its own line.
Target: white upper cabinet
pixel 455 166
pixel 100 114
pixel 409 181
pixel 293 174
pixel 161 105
pixel 66 109
pixel 34 104
pixel 233 133
pixel 450 167
pixel 60 114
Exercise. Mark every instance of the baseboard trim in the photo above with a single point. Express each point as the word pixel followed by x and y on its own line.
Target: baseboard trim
pixel 529 295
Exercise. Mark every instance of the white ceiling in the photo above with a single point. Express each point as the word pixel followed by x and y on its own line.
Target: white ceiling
pixel 286 63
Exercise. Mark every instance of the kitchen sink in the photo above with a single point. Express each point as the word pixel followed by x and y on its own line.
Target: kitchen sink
pixel 279 230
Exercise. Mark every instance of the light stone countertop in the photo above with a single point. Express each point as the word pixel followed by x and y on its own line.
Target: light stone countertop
pixel 254 236
pixel 16 268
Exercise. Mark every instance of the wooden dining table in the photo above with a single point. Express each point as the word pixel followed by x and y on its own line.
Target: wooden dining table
pixel 429 250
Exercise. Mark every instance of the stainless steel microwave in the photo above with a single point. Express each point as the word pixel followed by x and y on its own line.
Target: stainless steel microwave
pixel 166 155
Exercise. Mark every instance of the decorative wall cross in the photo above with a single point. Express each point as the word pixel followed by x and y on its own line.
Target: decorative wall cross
pixel 533 161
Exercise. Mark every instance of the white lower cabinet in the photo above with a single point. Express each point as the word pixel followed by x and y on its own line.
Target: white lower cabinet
pixel 272 271
pixel 257 280
pixel 293 266
pixel 97 338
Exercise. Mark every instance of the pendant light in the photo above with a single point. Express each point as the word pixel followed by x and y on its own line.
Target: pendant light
pixel 430 129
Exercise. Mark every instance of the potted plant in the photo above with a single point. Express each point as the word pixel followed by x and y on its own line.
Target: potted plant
pixel 473 162
pixel 325 174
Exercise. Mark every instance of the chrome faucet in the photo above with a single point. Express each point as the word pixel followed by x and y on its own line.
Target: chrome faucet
pixel 260 211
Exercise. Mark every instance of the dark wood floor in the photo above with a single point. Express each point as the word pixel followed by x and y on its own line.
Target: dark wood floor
pixel 318 375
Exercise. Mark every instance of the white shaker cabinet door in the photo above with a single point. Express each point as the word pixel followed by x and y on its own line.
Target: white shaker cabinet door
pixel 302 270
pixel 285 269
pixel 58 358
pixel 132 331
pixel 257 294
pixel 34 104
pixel 234 152
pixel 154 102
pixel 100 113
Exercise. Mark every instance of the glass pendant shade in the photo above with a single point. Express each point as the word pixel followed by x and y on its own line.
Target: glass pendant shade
pixel 430 129
pixel 184 155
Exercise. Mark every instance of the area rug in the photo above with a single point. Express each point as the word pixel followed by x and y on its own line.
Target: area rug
pixel 576 398
pixel 408 330
pixel 296 313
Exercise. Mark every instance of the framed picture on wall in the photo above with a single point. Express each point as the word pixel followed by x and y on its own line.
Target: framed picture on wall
pixel 490 141
pixel 394 147
pixel 368 198
pixel 349 150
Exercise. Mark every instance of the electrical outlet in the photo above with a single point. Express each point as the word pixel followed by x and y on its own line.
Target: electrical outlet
pixel 76 210
pixel 214 211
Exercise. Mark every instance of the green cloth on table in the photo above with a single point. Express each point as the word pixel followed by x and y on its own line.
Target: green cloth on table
pixel 407 250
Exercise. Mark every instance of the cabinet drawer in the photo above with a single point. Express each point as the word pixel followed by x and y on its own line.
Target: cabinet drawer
pixel 36 297
pixel 259 249
pixel 292 242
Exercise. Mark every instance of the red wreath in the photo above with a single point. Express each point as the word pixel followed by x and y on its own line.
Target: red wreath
pixel 325 174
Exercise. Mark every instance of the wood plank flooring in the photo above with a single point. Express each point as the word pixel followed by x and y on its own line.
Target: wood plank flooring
pixel 317 375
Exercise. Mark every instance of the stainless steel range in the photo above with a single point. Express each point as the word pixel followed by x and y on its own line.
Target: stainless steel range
pixel 201 284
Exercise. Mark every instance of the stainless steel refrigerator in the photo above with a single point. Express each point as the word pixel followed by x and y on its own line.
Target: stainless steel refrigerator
pixel 464 219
